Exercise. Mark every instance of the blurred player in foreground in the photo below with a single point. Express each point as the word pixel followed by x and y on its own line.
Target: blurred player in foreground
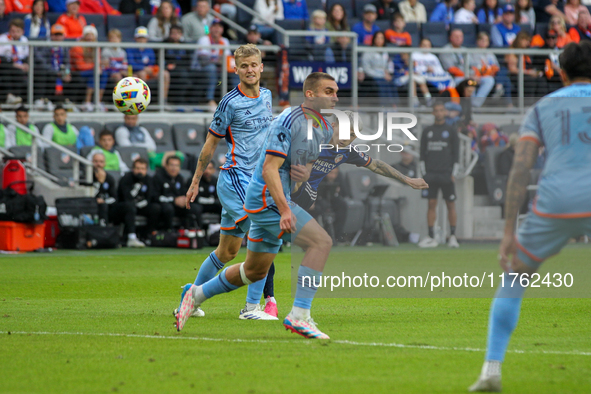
pixel 242 118
pixel 560 123
pixel 274 217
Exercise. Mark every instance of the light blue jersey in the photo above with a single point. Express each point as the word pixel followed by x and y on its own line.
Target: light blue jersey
pixel 561 122
pixel 242 120
pixel 287 137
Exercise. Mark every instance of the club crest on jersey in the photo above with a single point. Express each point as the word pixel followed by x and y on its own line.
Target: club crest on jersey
pixel 269 106
pixel 281 137
pixel 338 158
pixel 217 121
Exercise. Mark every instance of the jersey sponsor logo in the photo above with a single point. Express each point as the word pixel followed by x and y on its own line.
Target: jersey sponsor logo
pixel 338 158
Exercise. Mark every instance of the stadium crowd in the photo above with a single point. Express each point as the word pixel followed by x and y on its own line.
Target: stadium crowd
pixel 67 75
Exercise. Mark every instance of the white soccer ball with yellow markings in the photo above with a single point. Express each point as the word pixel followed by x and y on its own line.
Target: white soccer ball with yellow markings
pixel 131 96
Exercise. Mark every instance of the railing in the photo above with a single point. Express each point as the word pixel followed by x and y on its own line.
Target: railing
pixel 34 159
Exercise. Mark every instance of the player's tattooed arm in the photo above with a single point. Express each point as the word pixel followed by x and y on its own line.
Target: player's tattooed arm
pixel 205 156
pixel 526 154
pixel 381 168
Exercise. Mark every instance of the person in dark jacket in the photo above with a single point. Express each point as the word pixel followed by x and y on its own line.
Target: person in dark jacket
pixel 137 187
pixel 109 209
pixel 171 191
pixel 178 62
pixel 208 194
pixel 439 164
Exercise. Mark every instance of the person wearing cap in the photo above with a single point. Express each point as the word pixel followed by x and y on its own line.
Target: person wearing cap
pixel 444 12
pixel 136 7
pixel 366 28
pixel 269 11
pixel 210 60
pixel 295 9
pixel 413 11
pixel 386 9
pixel 502 34
pixel 83 60
pixel 72 21
pixel 52 65
pixel 36 23
pixel 582 31
pixel 196 23
pixel 14 67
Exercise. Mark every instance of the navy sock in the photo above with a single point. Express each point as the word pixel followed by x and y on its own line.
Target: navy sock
pixel 269 290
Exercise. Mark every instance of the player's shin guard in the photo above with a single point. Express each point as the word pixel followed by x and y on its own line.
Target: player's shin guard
pixel 208 269
pixel 308 282
pixel 503 318
pixel 269 290
pixel 255 291
pixel 218 285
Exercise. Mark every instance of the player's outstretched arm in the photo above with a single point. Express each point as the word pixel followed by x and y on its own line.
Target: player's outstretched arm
pixel 525 157
pixel 273 180
pixel 211 143
pixel 381 168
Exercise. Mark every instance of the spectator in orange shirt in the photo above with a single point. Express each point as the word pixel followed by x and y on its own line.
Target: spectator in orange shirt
pixel 22 6
pixel 559 26
pixel 97 7
pixel 397 35
pixel 71 20
pixel 582 31
pixel 83 60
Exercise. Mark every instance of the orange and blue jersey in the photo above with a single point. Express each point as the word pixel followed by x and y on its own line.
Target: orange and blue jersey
pixel 560 122
pixel 242 120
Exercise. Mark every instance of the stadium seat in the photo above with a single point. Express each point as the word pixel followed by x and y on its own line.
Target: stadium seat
pixel 436 32
pixel 125 23
pixel 347 5
pixel 186 174
pixel 99 22
pixel 130 153
pixel 53 17
pixel 117 176
pixel 25 151
pixel 359 4
pixel 112 126
pixel 292 24
pixel 162 135
pixel 297 49
pixel 315 5
pixel 85 150
pixel 15 15
pixel 429 6
pixel 496 184
pixel 469 33
pixel 526 27
pixel 412 28
pixel 383 24
pixel 59 163
pixel 143 20
pixel 484 27
pixel 96 127
pixel 509 129
pixel 41 125
pixel 189 137
pixel 243 18
pixel 218 155
pixel 541 28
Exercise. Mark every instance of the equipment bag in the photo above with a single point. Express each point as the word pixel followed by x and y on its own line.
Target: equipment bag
pixel 88 237
pixel 77 211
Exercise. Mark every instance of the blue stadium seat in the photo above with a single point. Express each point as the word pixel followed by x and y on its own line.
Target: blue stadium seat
pixel 429 6
pixel 99 22
pixel 527 27
pixel 161 134
pixel 20 15
pixel 436 32
pixel 484 27
pixel 189 137
pixel 359 4
pixel 125 23
pixel 143 20
pixel 469 33
pixel 243 18
pixel 53 17
pixel 289 24
pixel 347 5
pixel 541 28
pixel 383 24
pixel 130 153
pixel 315 5
pixel 413 29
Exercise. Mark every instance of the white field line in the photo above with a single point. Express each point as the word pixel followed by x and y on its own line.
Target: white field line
pixel 341 342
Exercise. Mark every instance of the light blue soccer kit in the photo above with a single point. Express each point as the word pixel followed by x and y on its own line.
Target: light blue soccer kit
pixel 561 122
pixel 287 137
pixel 242 121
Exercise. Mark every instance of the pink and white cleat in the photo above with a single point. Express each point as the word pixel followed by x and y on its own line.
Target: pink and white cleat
pixel 306 328
pixel 271 307
pixel 186 308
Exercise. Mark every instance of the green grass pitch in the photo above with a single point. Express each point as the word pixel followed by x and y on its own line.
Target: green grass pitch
pixel 100 322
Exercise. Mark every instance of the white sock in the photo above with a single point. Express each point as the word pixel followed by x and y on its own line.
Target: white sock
pixel 300 313
pixel 198 295
pixel 251 307
pixel 491 368
pixel 131 236
pixel 270 299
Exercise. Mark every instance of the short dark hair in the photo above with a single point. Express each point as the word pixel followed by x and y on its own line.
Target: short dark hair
pixel 22 108
pixel 172 157
pixel 106 132
pixel 17 22
pixel 438 103
pixel 57 108
pixel 312 80
pixel 177 27
pixel 397 15
pixel 140 160
pixel 575 60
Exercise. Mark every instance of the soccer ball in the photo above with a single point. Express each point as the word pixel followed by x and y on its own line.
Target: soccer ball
pixel 131 96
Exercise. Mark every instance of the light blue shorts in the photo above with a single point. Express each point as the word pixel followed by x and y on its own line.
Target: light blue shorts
pixel 231 190
pixel 539 237
pixel 265 235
